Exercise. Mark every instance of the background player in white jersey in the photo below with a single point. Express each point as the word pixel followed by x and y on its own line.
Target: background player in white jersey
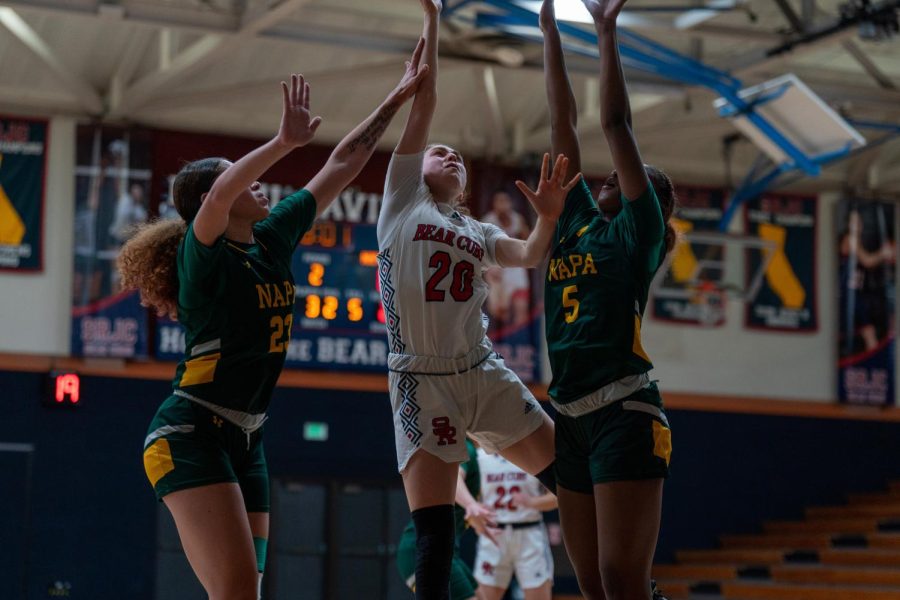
pixel 445 380
pixel 522 546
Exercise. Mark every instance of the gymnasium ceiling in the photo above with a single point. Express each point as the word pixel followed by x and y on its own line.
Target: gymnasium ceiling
pixel 214 65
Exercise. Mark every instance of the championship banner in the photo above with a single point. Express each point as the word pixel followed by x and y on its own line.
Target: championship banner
pixel 515 303
pixel 867 254
pixel 786 299
pixel 680 294
pixel 338 322
pixel 23 164
pixel 112 177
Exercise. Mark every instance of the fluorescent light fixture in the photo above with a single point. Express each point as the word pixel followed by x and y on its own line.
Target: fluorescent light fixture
pixel 574 11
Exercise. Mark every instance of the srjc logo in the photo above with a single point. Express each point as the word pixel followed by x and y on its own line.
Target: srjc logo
pixel 442 429
pixel 487 568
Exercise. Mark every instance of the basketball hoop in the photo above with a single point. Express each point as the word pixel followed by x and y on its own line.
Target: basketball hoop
pixel 710 300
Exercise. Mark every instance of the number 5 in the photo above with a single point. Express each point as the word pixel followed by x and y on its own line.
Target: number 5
pixel 569 302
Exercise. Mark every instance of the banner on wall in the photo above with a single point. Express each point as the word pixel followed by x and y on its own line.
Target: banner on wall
pixel 23 164
pixel 112 184
pixel 515 300
pixel 867 255
pixel 678 294
pixel 786 299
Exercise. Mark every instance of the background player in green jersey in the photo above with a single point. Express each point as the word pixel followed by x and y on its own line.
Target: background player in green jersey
pixel 612 436
pixel 224 272
pixel 467 512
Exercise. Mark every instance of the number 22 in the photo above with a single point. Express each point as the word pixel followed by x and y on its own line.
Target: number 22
pixel 506 504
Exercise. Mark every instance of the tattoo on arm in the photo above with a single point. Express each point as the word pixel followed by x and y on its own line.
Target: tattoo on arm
pixel 375 129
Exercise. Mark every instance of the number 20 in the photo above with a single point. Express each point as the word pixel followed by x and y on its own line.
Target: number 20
pixel 461 284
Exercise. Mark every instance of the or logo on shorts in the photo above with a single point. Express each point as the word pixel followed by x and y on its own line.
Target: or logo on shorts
pixel 217 421
pixel 487 568
pixel 442 429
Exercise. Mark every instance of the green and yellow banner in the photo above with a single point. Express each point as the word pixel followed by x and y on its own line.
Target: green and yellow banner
pixel 786 299
pixel 23 158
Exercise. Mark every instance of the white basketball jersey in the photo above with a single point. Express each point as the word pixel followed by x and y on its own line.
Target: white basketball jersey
pixel 431 262
pixel 500 479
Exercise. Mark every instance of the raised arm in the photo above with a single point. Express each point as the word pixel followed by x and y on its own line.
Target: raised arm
pixel 297 128
pixel 615 110
pixel 543 503
pixel 353 152
pixel 415 134
pixel 561 100
pixel 548 202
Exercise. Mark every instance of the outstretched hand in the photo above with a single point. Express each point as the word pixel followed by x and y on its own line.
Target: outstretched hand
pixel 414 75
pixel 548 16
pixel 432 7
pixel 483 521
pixel 298 126
pixel 550 197
pixel 604 11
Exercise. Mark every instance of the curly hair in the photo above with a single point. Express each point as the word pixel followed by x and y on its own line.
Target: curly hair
pixel 147 261
pixel 668 201
pixel 147 264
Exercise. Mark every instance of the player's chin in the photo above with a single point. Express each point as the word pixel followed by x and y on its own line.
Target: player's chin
pixel 261 212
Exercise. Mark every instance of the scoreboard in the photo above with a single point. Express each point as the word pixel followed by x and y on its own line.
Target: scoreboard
pixel 338 320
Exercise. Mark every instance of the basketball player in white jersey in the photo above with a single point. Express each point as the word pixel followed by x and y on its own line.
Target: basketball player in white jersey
pixel 445 380
pixel 522 546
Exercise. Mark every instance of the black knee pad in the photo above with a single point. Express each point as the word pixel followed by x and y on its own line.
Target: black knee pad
pixel 434 551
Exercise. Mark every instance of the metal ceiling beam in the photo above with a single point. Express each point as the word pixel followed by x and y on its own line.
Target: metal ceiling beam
pixel 791 15
pixel 868 66
pixel 493 117
pixel 208 50
pixel 251 89
pixel 150 86
pixel 589 120
pixel 129 62
pixel 23 33
pixel 146 13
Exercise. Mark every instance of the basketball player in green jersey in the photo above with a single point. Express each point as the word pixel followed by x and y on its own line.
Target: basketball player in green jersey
pixel 467 512
pixel 612 436
pixel 224 272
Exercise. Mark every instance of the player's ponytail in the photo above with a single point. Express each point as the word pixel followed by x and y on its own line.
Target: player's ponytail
pixel 193 180
pixel 665 192
pixel 147 261
pixel 147 264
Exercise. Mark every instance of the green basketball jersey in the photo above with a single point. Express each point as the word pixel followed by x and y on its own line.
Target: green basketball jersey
pixel 473 482
pixel 236 304
pixel 596 290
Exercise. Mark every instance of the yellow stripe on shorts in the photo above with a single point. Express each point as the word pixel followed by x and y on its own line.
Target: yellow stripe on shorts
pixel 662 441
pixel 637 347
pixel 200 370
pixel 158 460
